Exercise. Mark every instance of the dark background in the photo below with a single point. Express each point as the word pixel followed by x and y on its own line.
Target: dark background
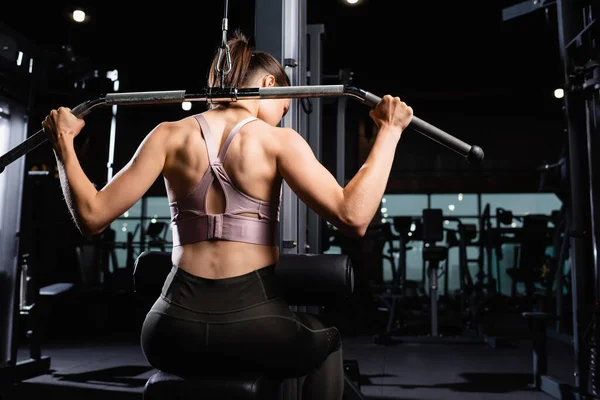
pixel 461 67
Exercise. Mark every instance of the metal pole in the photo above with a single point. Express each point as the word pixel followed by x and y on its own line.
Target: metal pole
pixel 473 154
pixel 340 143
pixel 13 130
pixel 579 210
pixel 296 11
pixel 560 274
pixel 593 127
pixel 315 36
pixel 114 77
pixel 279 27
pixel 463 265
pixel 433 296
pixel 340 159
pixel 111 144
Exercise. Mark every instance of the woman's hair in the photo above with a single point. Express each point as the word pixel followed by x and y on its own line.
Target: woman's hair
pixel 245 63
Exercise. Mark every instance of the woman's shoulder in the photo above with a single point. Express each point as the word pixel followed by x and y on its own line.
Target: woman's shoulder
pixel 176 133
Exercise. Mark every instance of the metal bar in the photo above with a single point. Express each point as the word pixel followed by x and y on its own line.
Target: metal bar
pixel 340 142
pixel 473 154
pixel 278 25
pixel 567 20
pixel 144 211
pixel 463 267
pixel 433 296
pixel 558 389
pixel 111 144
pixel 289 202
pixel 591 129
pixel 560 276
pixel 523 8
pixel 315 36
pixel 25 369
pixel 40 137
pixel 296 12
pixel 578 38
pixel 12 130
pixel 351 391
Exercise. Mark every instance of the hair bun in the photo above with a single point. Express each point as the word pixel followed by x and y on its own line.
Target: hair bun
pixel 239 38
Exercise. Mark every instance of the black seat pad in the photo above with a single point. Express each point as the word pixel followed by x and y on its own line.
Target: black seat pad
pixel 163 386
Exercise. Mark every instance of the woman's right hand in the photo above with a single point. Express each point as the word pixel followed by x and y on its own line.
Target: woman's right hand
pixel 391 112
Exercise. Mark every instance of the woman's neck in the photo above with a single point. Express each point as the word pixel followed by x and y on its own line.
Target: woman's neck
pixel 242 107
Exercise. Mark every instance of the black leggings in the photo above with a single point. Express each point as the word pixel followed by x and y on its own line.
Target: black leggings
pixel 201 326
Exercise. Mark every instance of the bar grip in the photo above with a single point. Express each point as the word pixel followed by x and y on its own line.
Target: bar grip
pixel 473 154
pixel 38 138
pixel 22 148
pixel 132 98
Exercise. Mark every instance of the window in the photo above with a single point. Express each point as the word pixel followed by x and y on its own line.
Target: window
pixel 519 205
pixel 403 205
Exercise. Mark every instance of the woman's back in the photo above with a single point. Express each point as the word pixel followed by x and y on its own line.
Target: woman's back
pixel 251 167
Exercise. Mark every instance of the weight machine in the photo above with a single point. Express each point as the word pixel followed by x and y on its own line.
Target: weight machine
pixel 400 294
pixel 18 293
pixel 430 230
pixel 577 31
pixel 280 28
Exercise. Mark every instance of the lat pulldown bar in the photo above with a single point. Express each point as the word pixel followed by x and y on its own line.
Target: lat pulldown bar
pixel 473 154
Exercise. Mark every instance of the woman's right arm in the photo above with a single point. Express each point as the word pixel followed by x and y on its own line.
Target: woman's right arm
pixel 350 209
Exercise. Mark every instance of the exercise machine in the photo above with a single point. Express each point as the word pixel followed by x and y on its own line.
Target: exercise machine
pixel 32 298
pixel 532 240
pixel 431 232
pixel 400 294
pixel 471 296
pixel 577 32
pixel 281 26
pixel 21 297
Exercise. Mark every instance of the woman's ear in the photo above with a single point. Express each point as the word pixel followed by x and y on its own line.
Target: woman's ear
pixel 268 81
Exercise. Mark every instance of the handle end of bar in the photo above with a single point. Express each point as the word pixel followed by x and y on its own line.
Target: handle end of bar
pixel 475 155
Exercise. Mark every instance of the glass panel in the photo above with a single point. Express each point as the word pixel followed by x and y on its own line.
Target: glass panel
pixel 328 237
pixel 157 212
pixel 135 211
pixel 403 204
pixel 507 212
pixel 521 204
pixel 456 204
pixel 126 230
pixel 157 207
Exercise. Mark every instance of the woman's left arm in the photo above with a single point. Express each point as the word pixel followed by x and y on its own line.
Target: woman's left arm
pixel 94 210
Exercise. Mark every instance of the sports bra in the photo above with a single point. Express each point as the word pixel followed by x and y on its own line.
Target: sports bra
pixel 190 221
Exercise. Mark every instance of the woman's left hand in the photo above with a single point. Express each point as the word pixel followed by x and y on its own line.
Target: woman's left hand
pixel 62 126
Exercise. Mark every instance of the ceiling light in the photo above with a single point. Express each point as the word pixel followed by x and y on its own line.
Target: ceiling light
pixel 78 16
pixel 559 93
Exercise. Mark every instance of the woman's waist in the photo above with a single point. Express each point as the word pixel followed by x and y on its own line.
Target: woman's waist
pixel 222 259
pixel 202 294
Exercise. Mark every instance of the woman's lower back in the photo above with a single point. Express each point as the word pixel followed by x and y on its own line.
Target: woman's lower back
pixel 219 259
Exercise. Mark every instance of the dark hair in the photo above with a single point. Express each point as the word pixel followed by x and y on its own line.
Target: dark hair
pixel 245 63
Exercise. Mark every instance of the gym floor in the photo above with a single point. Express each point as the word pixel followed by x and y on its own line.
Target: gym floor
pixel 111 365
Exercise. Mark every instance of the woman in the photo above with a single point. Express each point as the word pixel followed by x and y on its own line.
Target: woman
pixel 221 308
